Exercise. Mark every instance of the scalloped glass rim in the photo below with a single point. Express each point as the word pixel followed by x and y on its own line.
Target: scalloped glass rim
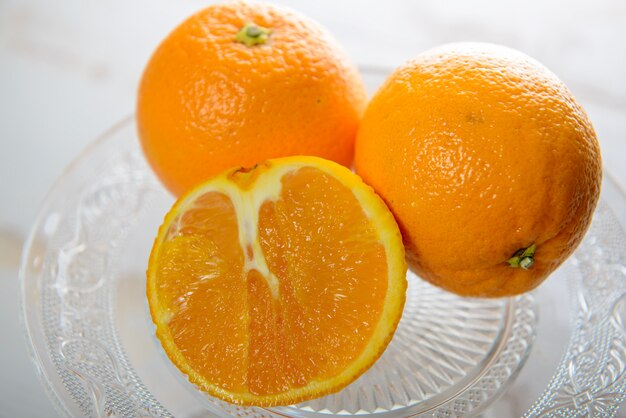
pixel 590 377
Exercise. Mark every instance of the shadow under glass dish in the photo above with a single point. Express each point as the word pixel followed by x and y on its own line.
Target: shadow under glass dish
pixel 86 315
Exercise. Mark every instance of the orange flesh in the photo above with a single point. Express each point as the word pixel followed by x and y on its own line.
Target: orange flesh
pixel 332 281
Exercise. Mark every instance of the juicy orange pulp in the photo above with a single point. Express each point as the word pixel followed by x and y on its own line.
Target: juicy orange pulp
pixel 278 284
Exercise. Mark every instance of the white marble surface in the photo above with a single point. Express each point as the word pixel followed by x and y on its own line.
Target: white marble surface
pixel 69 69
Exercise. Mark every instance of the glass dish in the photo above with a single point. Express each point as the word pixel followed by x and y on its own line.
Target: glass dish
pixel 92 340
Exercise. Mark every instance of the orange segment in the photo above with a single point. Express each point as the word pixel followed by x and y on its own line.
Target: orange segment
pixel 198 265
pixel 278 284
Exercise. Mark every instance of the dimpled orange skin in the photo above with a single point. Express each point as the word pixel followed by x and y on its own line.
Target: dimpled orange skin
pixel 207 102
pixel 480 151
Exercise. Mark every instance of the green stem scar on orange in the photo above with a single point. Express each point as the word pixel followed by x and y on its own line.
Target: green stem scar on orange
pixel 523 257
pixel 252 34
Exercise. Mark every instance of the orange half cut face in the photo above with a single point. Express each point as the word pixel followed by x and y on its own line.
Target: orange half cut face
pixel 278 284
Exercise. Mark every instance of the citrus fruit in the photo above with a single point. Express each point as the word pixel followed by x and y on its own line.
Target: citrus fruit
pixel 490 166
pixel 238 83
pixel 277 284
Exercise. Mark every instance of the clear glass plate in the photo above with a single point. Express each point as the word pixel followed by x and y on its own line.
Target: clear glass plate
pixel 86 316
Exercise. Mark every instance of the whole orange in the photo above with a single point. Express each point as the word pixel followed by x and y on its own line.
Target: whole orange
pixel 489 164
pixel 240 82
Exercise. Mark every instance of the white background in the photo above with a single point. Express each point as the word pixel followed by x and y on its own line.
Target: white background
pixel 69 70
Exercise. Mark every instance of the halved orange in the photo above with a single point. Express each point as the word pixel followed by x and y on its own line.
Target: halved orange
pixel 277 284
